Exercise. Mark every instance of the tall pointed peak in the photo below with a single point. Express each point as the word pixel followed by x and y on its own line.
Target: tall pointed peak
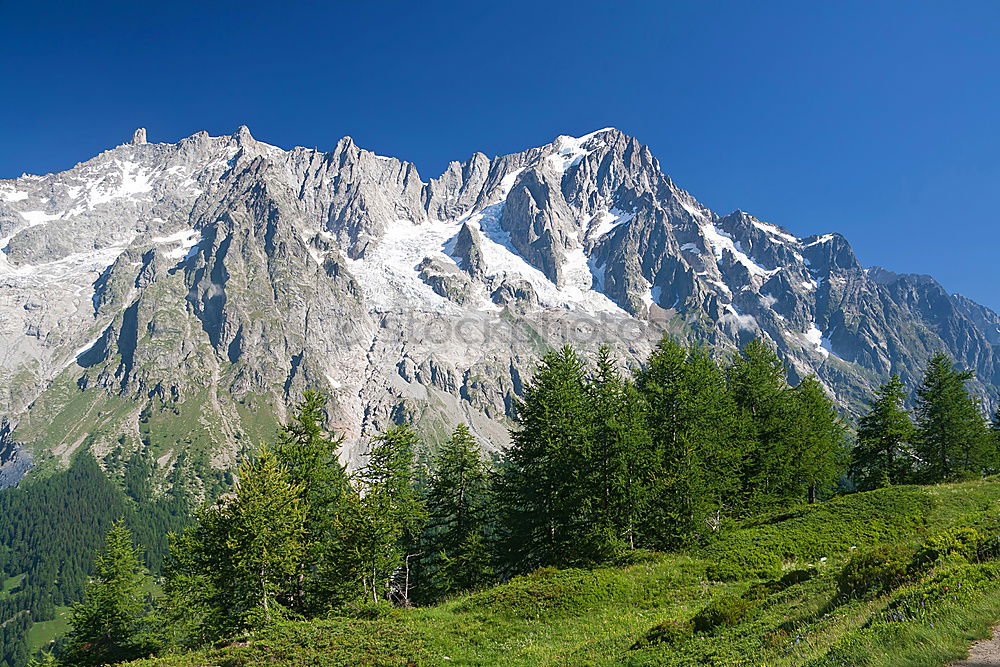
pixel 242 135
pixel 139 137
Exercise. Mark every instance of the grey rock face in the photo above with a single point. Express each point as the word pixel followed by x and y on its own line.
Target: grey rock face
pixel 220 276
pixel 14 461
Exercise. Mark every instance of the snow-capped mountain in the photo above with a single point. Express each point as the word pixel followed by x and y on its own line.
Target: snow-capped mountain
pixel 200 282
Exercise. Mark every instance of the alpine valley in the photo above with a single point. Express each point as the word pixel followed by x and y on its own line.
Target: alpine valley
pixel 163 297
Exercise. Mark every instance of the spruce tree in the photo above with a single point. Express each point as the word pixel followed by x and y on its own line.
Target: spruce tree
pixel 105 627
pixel 882 455
pixel 457 496
pixel 952 436
pixel 328 572
pixel 388 512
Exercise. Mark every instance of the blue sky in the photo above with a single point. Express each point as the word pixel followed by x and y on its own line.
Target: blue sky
pixel 874 119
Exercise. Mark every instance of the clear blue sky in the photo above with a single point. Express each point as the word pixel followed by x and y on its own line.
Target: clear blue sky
pixel 874 119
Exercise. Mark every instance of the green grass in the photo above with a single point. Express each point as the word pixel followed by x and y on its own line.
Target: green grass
pixel 641 613
pixel 44 633
pixel 10 585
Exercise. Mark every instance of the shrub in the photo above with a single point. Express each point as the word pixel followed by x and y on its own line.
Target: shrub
pixel 794 577
pixel 960 542
pixel 368 610
pixel 988 548
pixel 723 610
pixel 761 590
pixel 879 570
pixel 739 566
pixel 668 633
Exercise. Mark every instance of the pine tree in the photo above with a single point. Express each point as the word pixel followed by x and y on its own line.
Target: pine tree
pixel 235 568
pixel 105 627
pixel 882 455
pixel 328 573
pixel 457 497
pixel 546 509
pixel 952 436
pixel 819 440
pixel 389 514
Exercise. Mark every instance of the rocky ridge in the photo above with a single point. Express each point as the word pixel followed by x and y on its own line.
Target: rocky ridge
pixel 217 277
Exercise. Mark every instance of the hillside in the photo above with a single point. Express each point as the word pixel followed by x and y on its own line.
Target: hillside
pixel 783 601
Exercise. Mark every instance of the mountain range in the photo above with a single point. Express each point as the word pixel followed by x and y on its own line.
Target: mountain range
pixel 174 298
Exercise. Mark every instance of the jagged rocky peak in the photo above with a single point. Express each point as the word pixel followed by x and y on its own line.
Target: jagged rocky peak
pixel 242 135
pixel 163 270
pixel 139 137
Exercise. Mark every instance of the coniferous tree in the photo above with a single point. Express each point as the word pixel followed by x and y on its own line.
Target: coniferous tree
pixel 697 443
pixel 994 466
pixel 882 455
pixel 454 545
pixel 328 572
pixel 44 659
pixel 621 454
pixel 819 440
pixel 388 512
pixel 952 439
pixel 236 567
pixel 758 383
pixel 546 512
pixel 105 627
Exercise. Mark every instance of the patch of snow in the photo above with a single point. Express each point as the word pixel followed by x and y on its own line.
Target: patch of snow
pixel 647 295
pixel 607 221
pixel 13 195
pixel 186 239
pixel 35 218
pixel 719 241
pixel 822 239
pixel 691 247
pixel 27 275
pixel 773 230
pixel 578 288
pixel 570 150
pixel 388 272
pixel 507 182
pixel 134 181
pixel 815 338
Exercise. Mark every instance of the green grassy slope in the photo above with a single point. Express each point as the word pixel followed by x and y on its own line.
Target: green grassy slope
pixel 779 602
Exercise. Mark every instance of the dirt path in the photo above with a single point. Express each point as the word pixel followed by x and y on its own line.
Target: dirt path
pixel 983 652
